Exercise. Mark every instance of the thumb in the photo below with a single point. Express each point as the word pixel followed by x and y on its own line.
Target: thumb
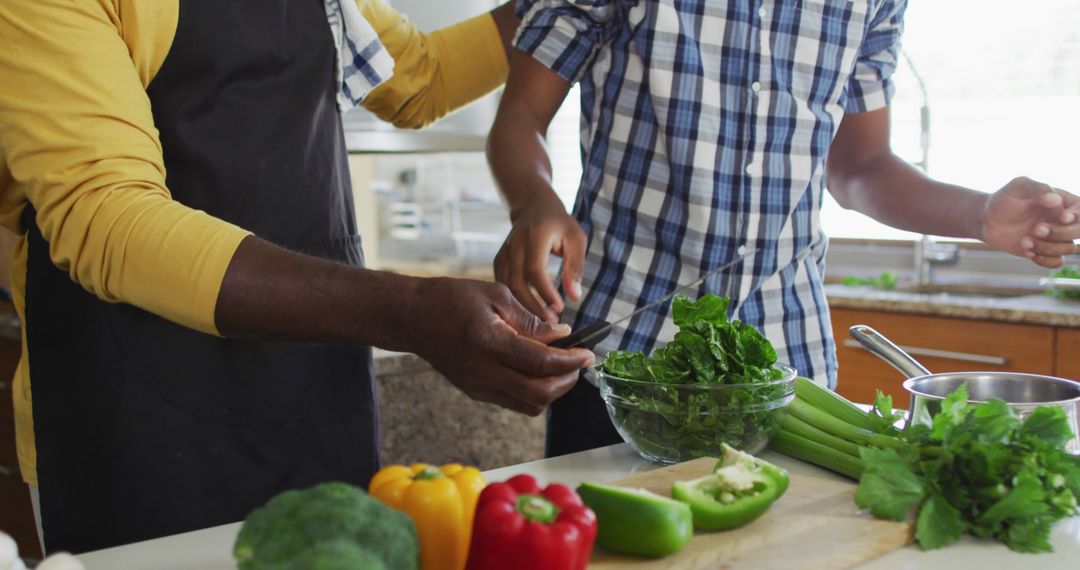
pixel 1044 194
pixel 525 323
pixel 574 245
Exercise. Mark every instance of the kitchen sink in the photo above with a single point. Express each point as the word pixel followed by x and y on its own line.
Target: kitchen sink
pixel 969 289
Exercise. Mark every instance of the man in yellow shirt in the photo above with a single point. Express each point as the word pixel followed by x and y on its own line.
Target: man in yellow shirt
pixel 177 173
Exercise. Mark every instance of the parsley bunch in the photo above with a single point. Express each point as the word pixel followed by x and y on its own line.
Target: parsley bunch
pixel 997 476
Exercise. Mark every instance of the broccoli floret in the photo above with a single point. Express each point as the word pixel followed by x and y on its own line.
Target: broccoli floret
pixel 296 529
pixel 337 555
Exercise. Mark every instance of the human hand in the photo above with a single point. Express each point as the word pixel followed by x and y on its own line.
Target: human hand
pixel 1031 219
pixel 543 227
pixel 490 347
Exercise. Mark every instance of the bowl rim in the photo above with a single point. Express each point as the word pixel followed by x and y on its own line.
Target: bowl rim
pixel 790 374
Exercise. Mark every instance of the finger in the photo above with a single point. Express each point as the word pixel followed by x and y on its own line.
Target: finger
pixel 537 275
pixel 538 392
pixel 1044 194
pixel 522 320
pixel 1047 248
pixel 1056 232
pixel 500 266
pixel 1071 213
pixel 519 286
pixel 535 359
pixel 1049 262
pixel 574 245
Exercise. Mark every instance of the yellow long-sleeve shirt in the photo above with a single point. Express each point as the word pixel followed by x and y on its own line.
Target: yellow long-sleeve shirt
pixel 78 143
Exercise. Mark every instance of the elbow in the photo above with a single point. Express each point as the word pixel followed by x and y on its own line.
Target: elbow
pixel 839 188
pixel 419 111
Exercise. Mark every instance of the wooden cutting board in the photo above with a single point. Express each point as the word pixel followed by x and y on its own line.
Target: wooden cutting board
pixel 814 525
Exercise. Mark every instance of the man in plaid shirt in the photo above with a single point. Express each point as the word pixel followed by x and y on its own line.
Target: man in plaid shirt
pixel 707 126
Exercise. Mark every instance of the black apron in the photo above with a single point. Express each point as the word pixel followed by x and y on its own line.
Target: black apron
pixel 145 428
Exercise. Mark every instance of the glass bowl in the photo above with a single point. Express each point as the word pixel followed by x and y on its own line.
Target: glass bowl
pixel 669 423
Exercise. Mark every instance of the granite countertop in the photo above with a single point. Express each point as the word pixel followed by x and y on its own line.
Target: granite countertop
pixel 1034 307
pixel 388 362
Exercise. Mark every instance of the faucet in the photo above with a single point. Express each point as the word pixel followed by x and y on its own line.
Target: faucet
pixel 930 254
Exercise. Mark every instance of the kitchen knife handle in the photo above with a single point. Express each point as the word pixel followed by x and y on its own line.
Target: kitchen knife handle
pixel 587 336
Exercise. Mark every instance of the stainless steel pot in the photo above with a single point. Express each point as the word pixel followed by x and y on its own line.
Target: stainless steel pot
pixel 1022 392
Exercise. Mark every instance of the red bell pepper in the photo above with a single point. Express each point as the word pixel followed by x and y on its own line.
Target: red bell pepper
pixel 521 527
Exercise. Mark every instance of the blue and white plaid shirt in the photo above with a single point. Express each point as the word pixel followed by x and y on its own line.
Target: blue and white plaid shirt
pixel 705 127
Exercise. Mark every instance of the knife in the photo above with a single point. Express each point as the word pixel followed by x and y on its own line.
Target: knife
pixel 591 334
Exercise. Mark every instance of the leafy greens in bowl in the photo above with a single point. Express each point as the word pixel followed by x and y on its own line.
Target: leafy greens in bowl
pixel 716 382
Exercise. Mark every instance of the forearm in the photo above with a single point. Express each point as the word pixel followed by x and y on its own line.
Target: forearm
pixel 896 193
pixel 517 149
pixel 518 155
pixel 270 292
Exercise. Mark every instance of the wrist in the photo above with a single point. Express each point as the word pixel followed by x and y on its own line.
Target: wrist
pixel 388 312
pixel 980 204
pixel 544 199
pixel 408 320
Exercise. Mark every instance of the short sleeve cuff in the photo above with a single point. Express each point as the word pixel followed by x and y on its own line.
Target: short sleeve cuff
pixel 863 96
pixel 561 38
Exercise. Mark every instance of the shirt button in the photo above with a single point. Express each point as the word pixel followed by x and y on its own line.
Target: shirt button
pixel 756 86
pixel 762 12
pixel 750 169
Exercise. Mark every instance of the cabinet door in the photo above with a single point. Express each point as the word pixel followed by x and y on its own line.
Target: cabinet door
pixel 1067 357
pixel 943 345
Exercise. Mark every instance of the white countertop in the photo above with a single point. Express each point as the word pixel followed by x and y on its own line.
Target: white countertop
pixel 211 549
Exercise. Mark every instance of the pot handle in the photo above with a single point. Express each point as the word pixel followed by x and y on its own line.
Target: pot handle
pixel 884 349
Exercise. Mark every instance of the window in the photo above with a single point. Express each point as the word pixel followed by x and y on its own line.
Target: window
pixel 564 146
pixel 1003 80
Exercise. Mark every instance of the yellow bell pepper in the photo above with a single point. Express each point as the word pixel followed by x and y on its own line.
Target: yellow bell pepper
pixel 441 502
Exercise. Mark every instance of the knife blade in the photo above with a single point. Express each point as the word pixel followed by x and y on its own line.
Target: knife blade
pixel 591 334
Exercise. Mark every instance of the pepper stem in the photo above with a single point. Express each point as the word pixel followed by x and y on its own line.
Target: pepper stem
pixel 429 472
pixel 537 508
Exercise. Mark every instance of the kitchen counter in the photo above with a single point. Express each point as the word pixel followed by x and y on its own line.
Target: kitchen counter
pixel 210 549
pixel 1033 309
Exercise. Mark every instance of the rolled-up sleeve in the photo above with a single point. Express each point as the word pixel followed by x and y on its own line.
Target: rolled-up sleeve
pixel 871 84
pixel 78 143
pixel 566 35
pixel 434 73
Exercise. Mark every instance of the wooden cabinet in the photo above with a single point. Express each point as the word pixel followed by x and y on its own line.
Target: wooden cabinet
pixel 1067 354
pixel 941 344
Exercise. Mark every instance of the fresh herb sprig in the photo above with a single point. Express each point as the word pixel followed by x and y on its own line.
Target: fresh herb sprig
pixel 665 420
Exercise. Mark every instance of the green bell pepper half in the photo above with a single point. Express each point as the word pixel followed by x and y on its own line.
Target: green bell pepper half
pixel 636 521
pixel 740 489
